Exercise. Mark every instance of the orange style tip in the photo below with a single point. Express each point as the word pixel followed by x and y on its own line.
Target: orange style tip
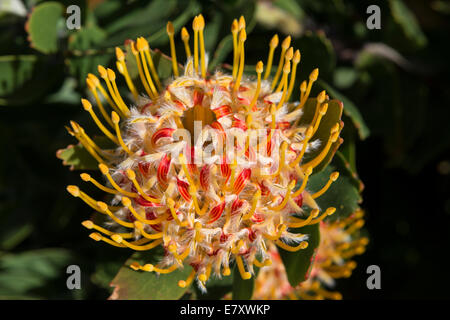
pixel 96 236
pixel 140 44
pixel 314 75
pixel 330 211
pixel 289 54
pixel 90 83
pixel 134 49
pixel 335 128
pixel 85 177
pixel 226 272
pixel 135 266
pixel 131 174
pixel 273 109
pixel 126 201
pixel 88 224
pixel 274 41
pixel 73 190
pixel 111 75
pixel 184 34
pixel 172 248
pixel 268 262
pixel 86 104
pixel 241 23
pixel 234 26
pixel 303 86
pixel 259 67
pixel 195 24
pixel 182 284
pixel 102 71
pixel 315 213
pixel 286 43
pixel 103 168
pixel 169 28
pixel 94 79
pixel 102 206
pixel 115 117
pixel 351 264
pixel 321 96
pixel 117 238
pixel 119 54
pixel 201 22
pixel 242 35
pixel 364 241
pixel 74 125
pixel 138 224
pixel 246 275
pixel 202 277
pixel 148 267
pixel 334 176
pixel 297 56
pixel 303 245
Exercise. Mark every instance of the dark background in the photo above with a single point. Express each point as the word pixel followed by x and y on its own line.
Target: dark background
pixel 400 88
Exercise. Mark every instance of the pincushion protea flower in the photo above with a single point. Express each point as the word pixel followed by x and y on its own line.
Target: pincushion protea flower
pixel 209 166
pixel 340 242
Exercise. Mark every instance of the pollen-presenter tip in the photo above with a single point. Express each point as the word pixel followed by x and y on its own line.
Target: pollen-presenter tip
pixel 321 97
pixel 234 26
pixel 115 117
pixel 274 41
pixel 96 236
pixel 303 245
pixel 170 202
pixel 119 54
pixel 226 271
pixel 289 54
pixel 86 104
pixel 73 190
pixel 246 275
pixel 111 75
pixel 184 34
pixel 126 201
pixel 242 35
pixel 259 67
pixel 117 238
pixel 314 75
pixel 85 177
pixel 201 22
pixel 182 284
pixel 102 206
pixel 331 210
pixel 87 224
pixel 334 176
pixel 131 174
pixel 202 277
pixel 297 56
pixel 102 71
pixel 241 23
pixel 169 28
pixel 303 86
pixel 286 43
pixel 148 267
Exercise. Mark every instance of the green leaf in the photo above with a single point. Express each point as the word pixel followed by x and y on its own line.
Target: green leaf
pixel 408 22
pixel 42 26
pixel 140 285
pixel 298 264
pixel 78 158
pixel 350 109
pixel 216 288
pixel 243 289
pixel 29 270
pixel 26 78
pixel 343 194
pixel 333 116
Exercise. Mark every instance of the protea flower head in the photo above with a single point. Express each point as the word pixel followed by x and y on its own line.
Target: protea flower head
pixel 209 166
pixel 340 241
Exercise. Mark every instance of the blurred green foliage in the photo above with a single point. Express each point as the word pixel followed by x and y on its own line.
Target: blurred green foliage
pixel 393 83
